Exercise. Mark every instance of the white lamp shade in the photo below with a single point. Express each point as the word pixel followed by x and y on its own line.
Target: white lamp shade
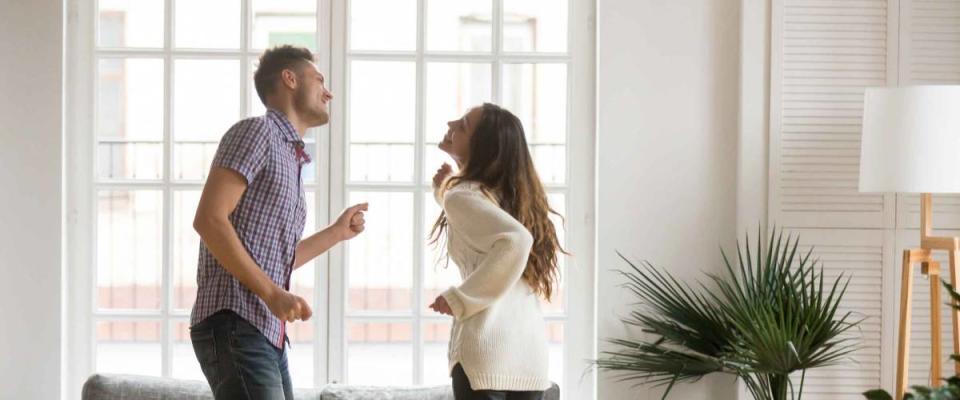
pixel 911 140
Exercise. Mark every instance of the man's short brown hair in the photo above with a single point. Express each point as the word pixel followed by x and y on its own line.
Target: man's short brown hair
pixel 275 60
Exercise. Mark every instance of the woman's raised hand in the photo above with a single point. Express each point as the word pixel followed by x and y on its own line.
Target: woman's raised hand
pixel 442 174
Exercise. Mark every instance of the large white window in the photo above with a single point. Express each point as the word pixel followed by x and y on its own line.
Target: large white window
pixel 168 77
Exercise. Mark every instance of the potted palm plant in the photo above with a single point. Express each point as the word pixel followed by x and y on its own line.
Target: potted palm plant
pixel 765 320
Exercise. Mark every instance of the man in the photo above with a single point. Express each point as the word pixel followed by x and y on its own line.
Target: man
pixel 250 220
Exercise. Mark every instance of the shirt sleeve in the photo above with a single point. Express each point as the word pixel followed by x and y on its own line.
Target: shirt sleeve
pixel 506 246
pixel 243 149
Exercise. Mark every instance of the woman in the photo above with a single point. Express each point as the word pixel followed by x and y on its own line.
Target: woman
pixel 498 231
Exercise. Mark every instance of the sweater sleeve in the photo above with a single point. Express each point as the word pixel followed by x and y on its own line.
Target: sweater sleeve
pixel 504 241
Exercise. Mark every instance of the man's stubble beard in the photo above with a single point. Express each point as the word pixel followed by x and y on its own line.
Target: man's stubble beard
pixel 316 117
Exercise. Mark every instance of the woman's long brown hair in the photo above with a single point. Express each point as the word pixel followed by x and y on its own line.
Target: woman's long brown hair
pixel 501 163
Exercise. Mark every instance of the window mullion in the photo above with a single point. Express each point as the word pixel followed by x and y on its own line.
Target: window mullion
pixel 497 38
pixel 417 269
pixel 166 248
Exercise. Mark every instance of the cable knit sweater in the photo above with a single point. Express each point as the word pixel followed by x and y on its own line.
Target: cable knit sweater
pixel 498 334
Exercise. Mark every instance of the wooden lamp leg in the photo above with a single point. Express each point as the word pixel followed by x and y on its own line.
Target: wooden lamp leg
pixel 954 313
pixel 933 271
pixel 903 341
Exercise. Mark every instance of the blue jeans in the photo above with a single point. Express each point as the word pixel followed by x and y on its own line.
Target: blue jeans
pixel 238 361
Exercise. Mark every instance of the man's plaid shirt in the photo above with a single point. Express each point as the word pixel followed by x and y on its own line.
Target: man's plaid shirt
pixel 269 219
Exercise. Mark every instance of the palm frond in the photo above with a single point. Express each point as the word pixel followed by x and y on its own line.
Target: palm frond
pixel 770 313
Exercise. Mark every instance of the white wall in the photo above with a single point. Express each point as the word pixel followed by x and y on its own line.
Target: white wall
pixel 31 46
pixel 668 125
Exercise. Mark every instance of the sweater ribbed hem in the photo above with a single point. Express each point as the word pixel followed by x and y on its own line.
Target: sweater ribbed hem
pixel 515 383
pixel 479 381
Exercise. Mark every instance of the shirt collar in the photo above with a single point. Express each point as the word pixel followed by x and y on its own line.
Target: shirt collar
pixel 289 134
pixel 286 128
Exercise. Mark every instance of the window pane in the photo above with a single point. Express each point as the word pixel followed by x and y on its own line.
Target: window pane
pixel 532 92
pixel 556 304
pixel 130 118
pixel 207 24
pixel 379 353
pixel 131 23
pixel 436 338
pixel 300 355
pixel 380 260
pixel 302 282
pixel 383 25
pixel 555 347
pixel 433 159
pixel 439 272
pixel 381 127
pixel 535 25
pixel 128 347
pixel 192 159
pixel 130 160
pixel 381 162
pixel 537 94
pixel 300 352
pixel 184 363
pixel 309 171
pixel 382 101
pixel 206 94
pixel 550 161
pixel 129 242
pixel 130 98
pixel 452 89
pixel 186 247
pixel 285 22
pixel 459 25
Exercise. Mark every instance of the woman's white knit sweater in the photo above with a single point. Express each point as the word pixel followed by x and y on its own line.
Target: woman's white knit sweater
pixel 498 333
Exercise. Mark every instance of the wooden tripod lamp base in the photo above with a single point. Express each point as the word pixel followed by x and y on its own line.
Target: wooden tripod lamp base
pixel 924 256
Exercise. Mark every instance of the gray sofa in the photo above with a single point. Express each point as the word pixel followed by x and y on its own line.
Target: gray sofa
pixel 133 387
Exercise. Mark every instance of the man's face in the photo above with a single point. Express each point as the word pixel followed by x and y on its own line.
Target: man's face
pixel 311 97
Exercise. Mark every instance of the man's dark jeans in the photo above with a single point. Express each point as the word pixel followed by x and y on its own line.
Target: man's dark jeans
pixel 238 361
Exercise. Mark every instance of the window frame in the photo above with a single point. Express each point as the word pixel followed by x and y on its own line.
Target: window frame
pixel 330 186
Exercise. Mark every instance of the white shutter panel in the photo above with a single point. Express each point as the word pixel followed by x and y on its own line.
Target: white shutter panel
pixel 857 254
pixel 929 55
pixel 824 54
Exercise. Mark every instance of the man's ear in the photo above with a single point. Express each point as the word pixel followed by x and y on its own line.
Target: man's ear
pixel 289 78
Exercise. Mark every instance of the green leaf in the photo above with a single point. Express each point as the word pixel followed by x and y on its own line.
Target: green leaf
pixel 771 313
pixel 877 394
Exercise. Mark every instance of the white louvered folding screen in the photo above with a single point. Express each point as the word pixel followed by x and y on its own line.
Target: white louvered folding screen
pixel 857 255
pixel 824 54
pixel 929 54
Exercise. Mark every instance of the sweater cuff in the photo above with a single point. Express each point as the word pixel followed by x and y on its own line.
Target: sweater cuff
pixel 453 300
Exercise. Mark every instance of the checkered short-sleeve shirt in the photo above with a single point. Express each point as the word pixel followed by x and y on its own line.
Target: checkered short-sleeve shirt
pixel 269 219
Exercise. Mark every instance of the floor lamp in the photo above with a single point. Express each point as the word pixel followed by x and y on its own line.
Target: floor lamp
pixel 911 144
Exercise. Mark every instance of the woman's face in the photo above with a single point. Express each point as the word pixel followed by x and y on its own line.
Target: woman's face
pixel 456 142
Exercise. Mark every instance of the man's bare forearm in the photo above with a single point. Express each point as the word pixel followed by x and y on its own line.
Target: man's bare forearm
pixel 315 245
pixel 222 240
